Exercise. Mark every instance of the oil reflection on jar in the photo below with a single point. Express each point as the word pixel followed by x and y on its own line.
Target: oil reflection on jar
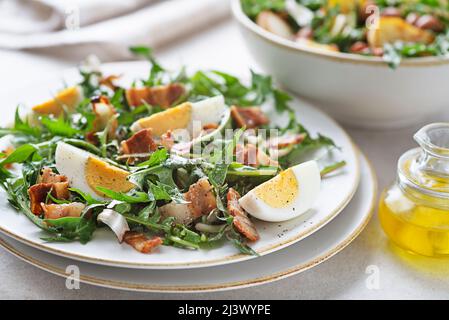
pixel 414 211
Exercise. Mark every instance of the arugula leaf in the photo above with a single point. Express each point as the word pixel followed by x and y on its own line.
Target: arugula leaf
pixel 86 197
pixel 391 56
pixel 68 224
pixel 217 176
pixel 18 198
pixel 148 223
pixel 24 126
pixel 156 158
pixel 21 154
pixel 157 71
pixel 21 127
pixel 59 126
pixel 86 229
pixel 281 100
pixel 262 87
pixel 149 211
pixel 161 191
pixel 53 199
pixel 132 197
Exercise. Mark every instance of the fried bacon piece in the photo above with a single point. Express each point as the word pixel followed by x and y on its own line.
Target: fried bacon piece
pixel 48 176
pixel 251 155
pixel 241 221
pixel 201 198
pixel 286 140
pixel 167 140
pixel 108 81
pixel 56 211
pixel 264 160
pixel 38 194
pixel 179 211
pixel 46 182
pixel 140 142
pixel 249 117
pixel 105 115
pixel 141 242
pixel 208 128
pixel 246 154
pixel 163 96
pixel 201 201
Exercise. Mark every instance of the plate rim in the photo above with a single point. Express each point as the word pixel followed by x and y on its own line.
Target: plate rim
pixel 213 288
pixel 235 258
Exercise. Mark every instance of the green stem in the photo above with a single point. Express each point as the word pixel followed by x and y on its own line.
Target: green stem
pixel 183 242
pixel 332 168
pixel 84 145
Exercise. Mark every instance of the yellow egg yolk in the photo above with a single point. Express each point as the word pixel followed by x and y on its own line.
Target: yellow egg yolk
pixel 280 191
pixel 101 174
pixel 67 98
pixel 174 118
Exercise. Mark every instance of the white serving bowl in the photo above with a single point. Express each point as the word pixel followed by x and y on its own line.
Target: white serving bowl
pixel 357 90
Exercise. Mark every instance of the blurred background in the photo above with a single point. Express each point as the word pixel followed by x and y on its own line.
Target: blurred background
pixel 106 27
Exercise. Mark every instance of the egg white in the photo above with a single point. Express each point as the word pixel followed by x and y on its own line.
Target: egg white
pixel 308 178
pixel 206 111
pixel 71 162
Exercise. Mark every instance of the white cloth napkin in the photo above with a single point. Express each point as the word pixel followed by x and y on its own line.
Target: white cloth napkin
pixel 33 16
pixel 34 24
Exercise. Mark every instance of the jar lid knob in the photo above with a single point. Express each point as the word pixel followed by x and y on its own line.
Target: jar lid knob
pixel 434 139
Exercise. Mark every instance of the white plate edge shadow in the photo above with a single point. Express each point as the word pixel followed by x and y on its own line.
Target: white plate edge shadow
pixel 216 261
pixel 250 282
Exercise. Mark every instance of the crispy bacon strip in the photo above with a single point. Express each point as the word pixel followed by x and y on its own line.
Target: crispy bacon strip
pixel 48 176
pixel 241 221
pixel 201 198
pixel 104 112
pixel 167 140
pixel 201 201
pixel 141 242
pixel 38 194
pixel 286 140
pixel 108 81
pixel 251 155
pixel 163 96
pixel 208 128
pixel 264 160
pixel 249 117
pixel 140 142
pixel 179 211
pixel 46 182
pixel 56 211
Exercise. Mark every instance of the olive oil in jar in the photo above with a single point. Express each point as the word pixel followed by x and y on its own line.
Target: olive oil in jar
pixel 414 212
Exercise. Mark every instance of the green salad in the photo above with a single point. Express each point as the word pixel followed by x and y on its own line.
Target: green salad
pixel 392 29
pixel 168 160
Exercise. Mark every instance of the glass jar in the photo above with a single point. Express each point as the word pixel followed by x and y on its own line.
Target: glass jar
pixel 414 211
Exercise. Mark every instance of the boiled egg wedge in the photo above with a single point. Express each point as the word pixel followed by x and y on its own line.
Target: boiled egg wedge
pixel 286 196
pixel 86 171
pixel 191 116
pixel 65 100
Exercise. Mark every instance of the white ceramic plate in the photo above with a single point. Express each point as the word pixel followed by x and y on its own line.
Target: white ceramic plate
pixel 296 258
pixel 335 194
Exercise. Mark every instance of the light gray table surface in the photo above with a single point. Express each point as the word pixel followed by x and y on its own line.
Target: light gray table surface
pixel 342 277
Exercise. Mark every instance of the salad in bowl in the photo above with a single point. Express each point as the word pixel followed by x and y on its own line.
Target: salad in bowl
pixel 389 29
pixel 368 63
